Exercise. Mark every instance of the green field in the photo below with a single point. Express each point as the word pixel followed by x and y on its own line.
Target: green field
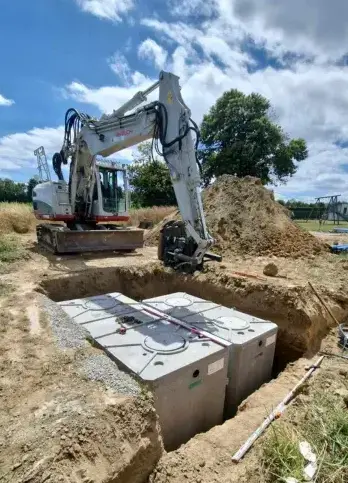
pixel 313 225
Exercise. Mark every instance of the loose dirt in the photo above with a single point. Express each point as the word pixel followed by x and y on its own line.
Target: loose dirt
pixel 56 425
pixel 244 218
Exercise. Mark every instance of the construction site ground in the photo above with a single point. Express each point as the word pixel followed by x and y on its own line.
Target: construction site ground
pixel 59 425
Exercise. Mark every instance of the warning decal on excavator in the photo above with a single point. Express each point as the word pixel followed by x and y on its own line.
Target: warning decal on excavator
pixel 170 97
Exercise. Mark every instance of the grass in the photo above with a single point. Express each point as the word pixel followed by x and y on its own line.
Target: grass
pixel 323 422
pixel 313 225
pixel 10 249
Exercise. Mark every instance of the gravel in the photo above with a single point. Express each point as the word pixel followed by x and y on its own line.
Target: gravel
pixel 69 335
pixel 100 368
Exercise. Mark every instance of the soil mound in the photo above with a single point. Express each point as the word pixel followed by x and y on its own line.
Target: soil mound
pixel 244 218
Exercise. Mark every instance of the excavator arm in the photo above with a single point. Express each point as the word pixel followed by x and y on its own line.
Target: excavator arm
pixel 168 123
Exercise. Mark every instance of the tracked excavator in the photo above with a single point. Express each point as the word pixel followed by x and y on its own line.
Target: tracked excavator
pixel 97 189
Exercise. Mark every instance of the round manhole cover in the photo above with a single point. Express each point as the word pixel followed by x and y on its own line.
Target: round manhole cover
pixel 165 343
pixel 234 323
pixel 102 303
pixel 178 301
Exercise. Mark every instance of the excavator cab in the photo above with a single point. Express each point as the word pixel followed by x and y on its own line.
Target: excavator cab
pixel 110 190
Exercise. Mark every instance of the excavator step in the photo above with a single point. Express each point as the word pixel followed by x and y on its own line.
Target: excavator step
pixel 59 239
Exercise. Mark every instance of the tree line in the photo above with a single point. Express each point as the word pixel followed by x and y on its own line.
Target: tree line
pixel 292 203
pixel 11 191
pixel 238 136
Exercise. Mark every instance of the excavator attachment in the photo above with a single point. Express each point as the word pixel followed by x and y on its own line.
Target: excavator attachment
pixel 60 239
pixel 177 250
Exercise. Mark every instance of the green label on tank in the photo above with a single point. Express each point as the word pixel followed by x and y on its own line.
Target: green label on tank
pixel 195 383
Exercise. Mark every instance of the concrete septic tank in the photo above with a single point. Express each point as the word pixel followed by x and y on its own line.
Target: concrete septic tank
pixel 186 372
pixel 252 341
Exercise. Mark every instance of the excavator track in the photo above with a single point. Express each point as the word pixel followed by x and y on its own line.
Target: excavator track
pixel 60 239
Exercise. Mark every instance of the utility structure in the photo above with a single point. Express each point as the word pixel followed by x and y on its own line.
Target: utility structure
pixel 42 165
pixel 331 207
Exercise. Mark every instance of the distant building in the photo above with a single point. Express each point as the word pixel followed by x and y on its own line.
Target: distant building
pixel 341 211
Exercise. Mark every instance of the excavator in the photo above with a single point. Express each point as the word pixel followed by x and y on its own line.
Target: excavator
pixel 97 190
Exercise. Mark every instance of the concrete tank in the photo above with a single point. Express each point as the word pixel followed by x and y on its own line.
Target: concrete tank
pixel 187 373
pixel 251 341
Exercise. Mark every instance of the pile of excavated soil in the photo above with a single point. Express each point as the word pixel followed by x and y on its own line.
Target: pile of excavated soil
pixel 244 218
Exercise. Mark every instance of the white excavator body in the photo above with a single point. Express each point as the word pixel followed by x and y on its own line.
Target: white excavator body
pixel 82 203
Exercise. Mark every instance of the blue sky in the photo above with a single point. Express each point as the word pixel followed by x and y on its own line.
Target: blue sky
pixel 95 54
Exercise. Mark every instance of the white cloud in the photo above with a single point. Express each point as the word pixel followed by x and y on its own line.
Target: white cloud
pixel 17 150
pixel 315 27
pixel 323 173
pixel 185 9
pixel 213 38
pixel 5 102
pixel 119 64
pixel 107 98
pixel 177 31
pixel 149 49
pixel 107 9
pixel 309 94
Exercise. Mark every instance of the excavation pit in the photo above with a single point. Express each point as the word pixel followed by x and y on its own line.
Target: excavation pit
pixel 300 331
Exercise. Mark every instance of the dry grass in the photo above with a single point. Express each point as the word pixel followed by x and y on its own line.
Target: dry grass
pixel 155 214
pixel 19 217
pixel 16 218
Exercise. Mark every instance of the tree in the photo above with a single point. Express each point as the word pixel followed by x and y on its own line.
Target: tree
pixel 12 191
pixel 31 185
pixel 149 180
pixel 239 138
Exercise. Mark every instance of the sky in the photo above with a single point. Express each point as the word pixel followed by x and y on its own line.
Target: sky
pixel 95 54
